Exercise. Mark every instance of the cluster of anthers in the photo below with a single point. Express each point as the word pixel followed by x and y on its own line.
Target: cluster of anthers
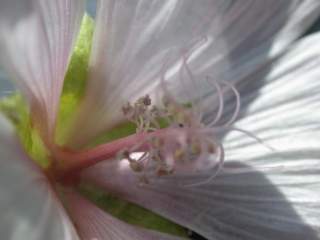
pixel 177 141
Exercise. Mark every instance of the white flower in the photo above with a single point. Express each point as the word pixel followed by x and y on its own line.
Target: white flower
pixel 259 194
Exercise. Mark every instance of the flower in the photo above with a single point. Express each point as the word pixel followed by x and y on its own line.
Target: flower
pixel 187 55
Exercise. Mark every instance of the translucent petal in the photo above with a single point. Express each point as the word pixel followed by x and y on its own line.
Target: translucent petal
pixel 93 223
pixel 135 40
pixel 260 194
pixel 29 208
pixel 36 42
pixel 285 115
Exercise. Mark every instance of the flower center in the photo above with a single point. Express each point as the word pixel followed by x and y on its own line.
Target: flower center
pixel 169 139
pixel 186 145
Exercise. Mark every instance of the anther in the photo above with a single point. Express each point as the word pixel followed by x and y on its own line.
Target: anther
pixel 136 166
pixel 146 100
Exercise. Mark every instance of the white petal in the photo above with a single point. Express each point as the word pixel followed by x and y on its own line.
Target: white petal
pixel 286 116
pixel 29 208
pixel 134 39
pixel 260 194
pixel 233 206
pixel 36 42
pixel 93 223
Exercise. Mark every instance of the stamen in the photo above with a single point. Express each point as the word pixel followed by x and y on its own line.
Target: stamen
pixel 184 147
pixel 143 114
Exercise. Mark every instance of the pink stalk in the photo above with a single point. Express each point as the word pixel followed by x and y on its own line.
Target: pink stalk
pixel 71 162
